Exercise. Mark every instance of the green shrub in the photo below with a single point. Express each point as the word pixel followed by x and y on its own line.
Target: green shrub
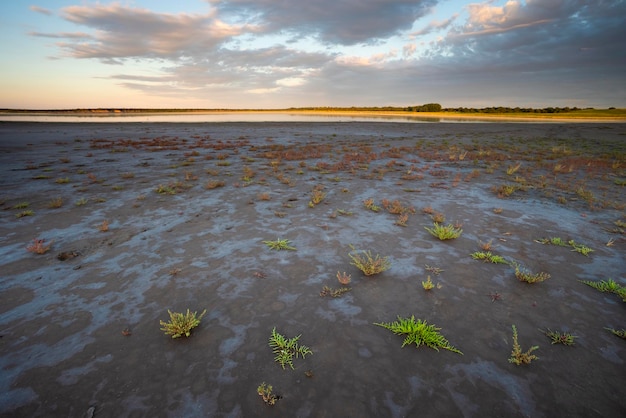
pixel 181 324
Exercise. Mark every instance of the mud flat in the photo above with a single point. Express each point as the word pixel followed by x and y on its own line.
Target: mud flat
pixel 188 206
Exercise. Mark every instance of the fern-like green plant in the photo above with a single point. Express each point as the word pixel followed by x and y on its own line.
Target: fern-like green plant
pixel 181 324
pixel 418 332
pixel 444 232
pixel 518 357
pixel 285 349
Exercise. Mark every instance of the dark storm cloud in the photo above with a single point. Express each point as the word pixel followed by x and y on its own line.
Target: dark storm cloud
pixel 345 22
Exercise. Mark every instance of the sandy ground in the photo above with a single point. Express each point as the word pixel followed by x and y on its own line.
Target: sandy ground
pixel 82 335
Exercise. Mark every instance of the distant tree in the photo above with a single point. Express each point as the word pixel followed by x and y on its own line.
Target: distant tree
pixel 428 107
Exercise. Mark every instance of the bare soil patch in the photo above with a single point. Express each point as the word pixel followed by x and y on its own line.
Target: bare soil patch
pixel 188 208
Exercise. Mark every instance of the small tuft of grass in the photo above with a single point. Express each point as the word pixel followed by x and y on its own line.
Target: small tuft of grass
pixel 517 356
pixel 24 213
pixel 335 293
pixel 369 204
pixel 552 241
pixel 265 391
pixel 580 248
pixel 368 264
pixel 488 257
pixel 21 205
pixel 557 337
pixel 429 285
pixel 38 246
pixel 214 184
pixel 525 275
pixel 619 332
pixel 608 286
pixel 181 324
pixel 279 244
pixel 81 202
pixel 317 196
pixel 55 203
pixel 344 278
pixel 444 232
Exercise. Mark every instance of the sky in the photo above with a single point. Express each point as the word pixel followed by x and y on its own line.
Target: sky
pixel 269 54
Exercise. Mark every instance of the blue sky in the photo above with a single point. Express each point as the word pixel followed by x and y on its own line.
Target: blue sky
pixel 294 53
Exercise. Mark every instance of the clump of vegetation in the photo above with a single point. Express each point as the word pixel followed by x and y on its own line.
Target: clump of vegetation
pixel 580 248
pixel 317 196
pixel 608 286
pixel 619 332
pixel 265 391
pixel 444 232
pixel 368 264
pixel 21 205
pixel 285 349
pixel 517 356
pixel 344 278
pixel 104 226
pixel 504 190
pixel 24 213
pixel 369 204
pixel 165 189
pixel 181 324
pixel 525 275
pixel 38 246
pixel 335 293
pixel 438 217
pixel 557 337
pixel 419 332
pixel 55 203
pixel 214 184
pixel 434 270
pixel 552 241
pixel 279 244
pixel 81 202
pixel 402 219
pixel 395 207
pixel 488 257
pixel 429 285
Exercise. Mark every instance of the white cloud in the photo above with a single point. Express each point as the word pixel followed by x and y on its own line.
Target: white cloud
pixel 291 82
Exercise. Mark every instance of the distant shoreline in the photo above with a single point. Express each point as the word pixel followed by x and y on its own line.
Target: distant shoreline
pixel 595 116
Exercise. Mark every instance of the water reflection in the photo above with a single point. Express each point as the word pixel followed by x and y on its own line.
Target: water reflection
pixel 214 117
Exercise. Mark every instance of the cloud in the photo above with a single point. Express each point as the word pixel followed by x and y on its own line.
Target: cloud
pixel 41 10
pixel 345 22
pixel 62 35
pixel 341 52
pixel 123 32
pixel 434 26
